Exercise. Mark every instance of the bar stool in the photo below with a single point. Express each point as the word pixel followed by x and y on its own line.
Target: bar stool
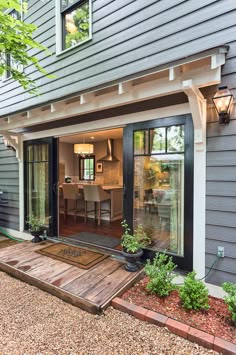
pixel 96 194
pixel 72 192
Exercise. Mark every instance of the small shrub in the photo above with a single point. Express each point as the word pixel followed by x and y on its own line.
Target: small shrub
pixel 230 299
pixel 194 294
pixel 132 243
pixel 160 275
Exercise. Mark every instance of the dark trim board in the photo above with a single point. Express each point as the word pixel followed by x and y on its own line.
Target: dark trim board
pixel 146 105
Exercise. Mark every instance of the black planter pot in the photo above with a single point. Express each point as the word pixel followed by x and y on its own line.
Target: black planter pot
pixel 36 235
pixel 132 260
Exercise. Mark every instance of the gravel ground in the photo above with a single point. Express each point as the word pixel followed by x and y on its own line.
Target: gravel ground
pixel 34 322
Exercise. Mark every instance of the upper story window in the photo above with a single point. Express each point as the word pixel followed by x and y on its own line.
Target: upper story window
pixel 10 61
pixel 75 22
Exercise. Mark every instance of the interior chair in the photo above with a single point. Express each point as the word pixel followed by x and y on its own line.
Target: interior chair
pixel 96 194
pixel 164 212
pixel 72 192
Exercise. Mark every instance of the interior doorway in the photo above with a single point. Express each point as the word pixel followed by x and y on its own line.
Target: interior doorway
pixel 87 161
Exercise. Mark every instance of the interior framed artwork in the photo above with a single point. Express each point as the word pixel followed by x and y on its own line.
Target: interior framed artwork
pixel 99 167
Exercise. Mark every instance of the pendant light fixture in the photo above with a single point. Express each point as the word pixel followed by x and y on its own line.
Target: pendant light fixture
pixel 83 148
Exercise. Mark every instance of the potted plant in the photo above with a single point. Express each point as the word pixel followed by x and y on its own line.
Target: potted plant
pixel 132 245
pixel 36 228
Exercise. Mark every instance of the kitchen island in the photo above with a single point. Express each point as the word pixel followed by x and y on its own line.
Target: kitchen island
pixel 116 192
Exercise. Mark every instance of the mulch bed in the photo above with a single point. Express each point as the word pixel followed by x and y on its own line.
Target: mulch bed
pixel 216 320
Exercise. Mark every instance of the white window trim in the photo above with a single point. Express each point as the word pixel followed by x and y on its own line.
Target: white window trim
pixel 59 44
pixel 4 77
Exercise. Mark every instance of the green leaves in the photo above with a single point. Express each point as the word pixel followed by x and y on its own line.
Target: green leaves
pixel 160 274
pixel 134 242
pixel 230 299
pixel 16 41
pixel 194 294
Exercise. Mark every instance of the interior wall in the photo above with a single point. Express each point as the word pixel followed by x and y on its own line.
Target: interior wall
pixel 66 156
pixel 112 171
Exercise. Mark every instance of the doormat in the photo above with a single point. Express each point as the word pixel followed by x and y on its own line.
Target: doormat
pixel 70 254
pixel 97 239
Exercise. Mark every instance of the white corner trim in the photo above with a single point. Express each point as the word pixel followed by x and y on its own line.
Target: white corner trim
pixel 199 200
pixel 198 107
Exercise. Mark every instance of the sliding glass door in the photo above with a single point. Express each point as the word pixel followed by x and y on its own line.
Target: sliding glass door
pixel 40 182
pixel 159 182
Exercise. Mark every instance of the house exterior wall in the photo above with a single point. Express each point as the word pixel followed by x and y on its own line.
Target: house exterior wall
pixel 131 37
pixel 9 185
pixel 128 37
pixel 221 183
pixel 221 200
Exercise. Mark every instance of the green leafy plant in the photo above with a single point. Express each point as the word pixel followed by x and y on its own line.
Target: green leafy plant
pixel 230 299
pixel 132 243
pixel 160 274
pixel 35 224
pixel 194 294
pixel 17 44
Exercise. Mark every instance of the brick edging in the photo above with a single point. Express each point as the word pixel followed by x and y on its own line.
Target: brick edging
pixel 209 341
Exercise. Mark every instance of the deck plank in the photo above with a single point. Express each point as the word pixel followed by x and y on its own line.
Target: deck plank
pixel 91 290
pixel 21 248
pixel 107 286
pixel 51 268
pixel 67 276
pixel 92 276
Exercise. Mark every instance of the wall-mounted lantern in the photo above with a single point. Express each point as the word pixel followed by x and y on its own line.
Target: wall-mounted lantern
pixel 223 100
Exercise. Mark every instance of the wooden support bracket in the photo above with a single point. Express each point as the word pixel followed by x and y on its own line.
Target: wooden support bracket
pixel 16 144
pixel 86 98
pixel 124 87
pixel 198 108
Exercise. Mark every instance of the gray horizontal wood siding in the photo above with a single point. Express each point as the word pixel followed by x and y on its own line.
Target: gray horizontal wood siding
pixel 9 186
pixel 129 37
pixel 221 199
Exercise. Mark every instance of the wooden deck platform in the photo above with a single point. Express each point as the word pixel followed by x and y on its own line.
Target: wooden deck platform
pixel 91 290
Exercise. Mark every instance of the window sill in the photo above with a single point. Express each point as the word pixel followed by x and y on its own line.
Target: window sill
pixel 60 52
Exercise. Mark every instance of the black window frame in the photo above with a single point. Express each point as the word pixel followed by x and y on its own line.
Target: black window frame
pixel 67 10
pixel 184 262
pixel 81 159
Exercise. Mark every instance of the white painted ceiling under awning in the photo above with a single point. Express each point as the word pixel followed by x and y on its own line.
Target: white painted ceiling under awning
pixel 115 133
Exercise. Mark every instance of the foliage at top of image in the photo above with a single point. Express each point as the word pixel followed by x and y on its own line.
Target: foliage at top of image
pixel 194 293
pixel 160 274
pixel 230 299
pixel 16 41
pixel 132 243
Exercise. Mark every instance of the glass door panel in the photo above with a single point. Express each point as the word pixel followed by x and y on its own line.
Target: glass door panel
pixel 158 185
pixel 40 182
pixel 159 200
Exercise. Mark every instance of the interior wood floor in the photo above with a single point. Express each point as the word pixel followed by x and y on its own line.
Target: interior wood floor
pixel 69 226
pixel 91 290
